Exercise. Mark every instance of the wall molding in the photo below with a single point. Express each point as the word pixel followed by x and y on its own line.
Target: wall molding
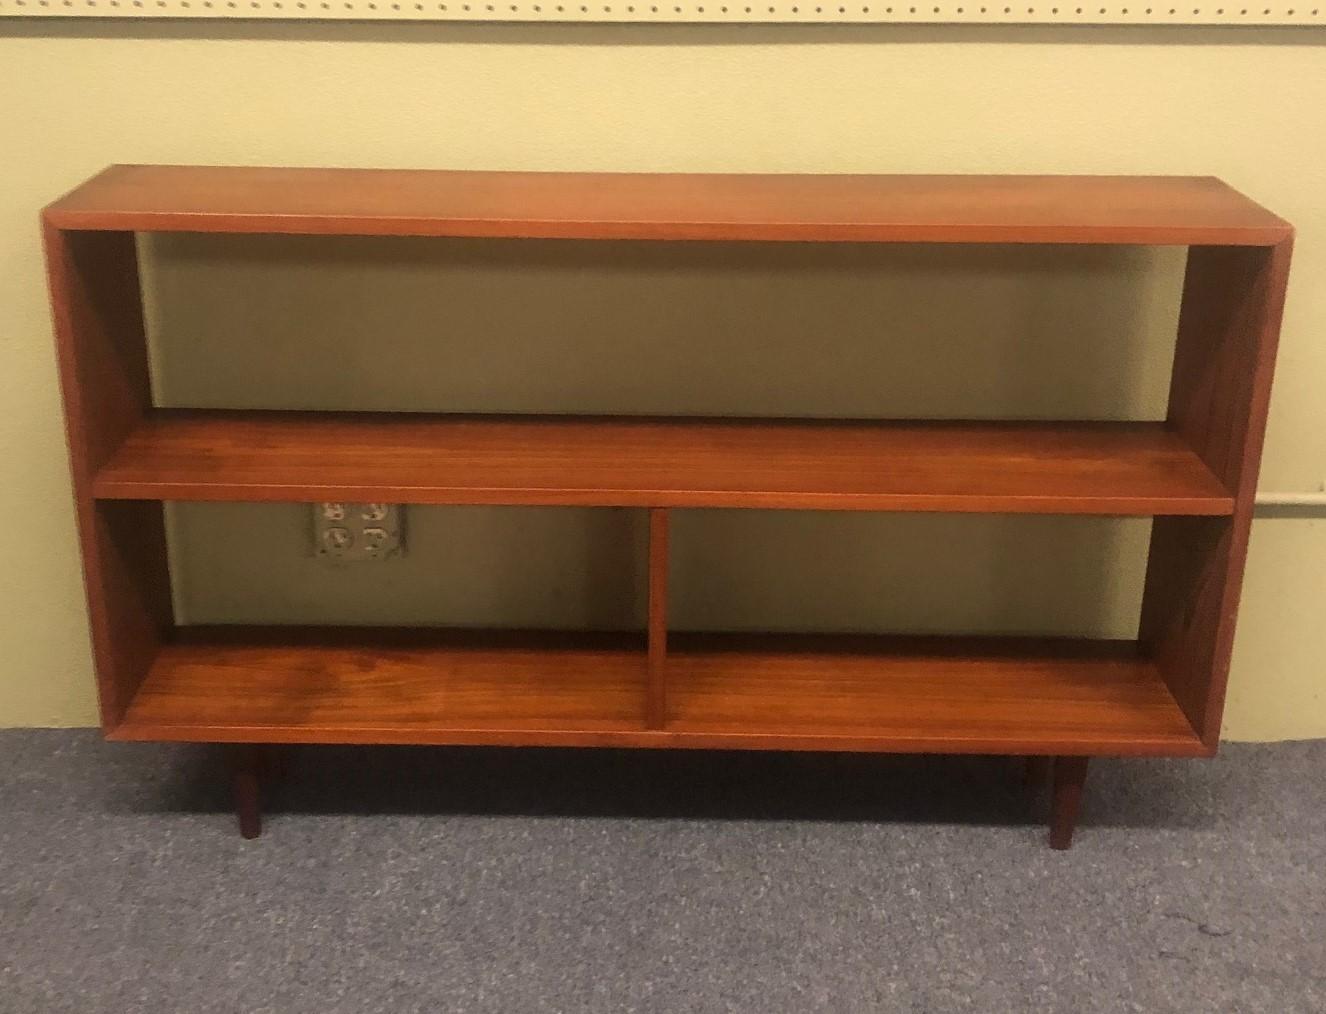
pixel 1312 12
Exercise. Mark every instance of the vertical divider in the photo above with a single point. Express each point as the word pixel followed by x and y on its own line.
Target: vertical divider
pixel 656 706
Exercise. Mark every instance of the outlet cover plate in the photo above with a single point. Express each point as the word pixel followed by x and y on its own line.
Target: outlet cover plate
pixel 357 531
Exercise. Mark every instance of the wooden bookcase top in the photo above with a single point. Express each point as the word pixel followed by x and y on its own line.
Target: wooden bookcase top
pixel 1140 210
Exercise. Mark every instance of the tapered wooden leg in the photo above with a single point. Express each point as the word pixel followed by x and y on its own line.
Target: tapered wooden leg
pixel 1070 773
pixel 248 763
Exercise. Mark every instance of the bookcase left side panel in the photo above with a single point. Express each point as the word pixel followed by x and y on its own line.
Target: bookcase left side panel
pixel 101 344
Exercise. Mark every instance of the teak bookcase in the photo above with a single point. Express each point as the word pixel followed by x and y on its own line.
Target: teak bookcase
pixel 1066 699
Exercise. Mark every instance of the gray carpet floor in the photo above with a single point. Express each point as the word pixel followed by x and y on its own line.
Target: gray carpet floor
pixel 510 881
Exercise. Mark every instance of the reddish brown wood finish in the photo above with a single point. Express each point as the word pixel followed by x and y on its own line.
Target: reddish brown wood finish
pixel 788 692
pixel 1064 468
pixel 1229 326
pixel 657 708
pixel 922 694
pixel 391 686
pixel 1070 775
pixel 248 763
pixel 907 209
pixel 102 357
pixel 1196 473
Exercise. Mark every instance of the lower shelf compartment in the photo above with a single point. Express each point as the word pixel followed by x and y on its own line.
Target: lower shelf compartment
pixel 924 694
pixel 349 685
pixel 797 692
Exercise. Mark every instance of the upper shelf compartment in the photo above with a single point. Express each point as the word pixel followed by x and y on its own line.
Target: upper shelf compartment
pixel 990 467
pixel 1142 210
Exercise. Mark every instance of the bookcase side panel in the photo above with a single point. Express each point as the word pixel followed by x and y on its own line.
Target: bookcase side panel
pixel 102 355
pixel 1229 326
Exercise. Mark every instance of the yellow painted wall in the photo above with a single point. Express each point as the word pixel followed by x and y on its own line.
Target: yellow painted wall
pixel 1006 332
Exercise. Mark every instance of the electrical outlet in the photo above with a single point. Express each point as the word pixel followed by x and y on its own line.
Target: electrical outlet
pixel 376 541
pixel 337 539
pixel 357 531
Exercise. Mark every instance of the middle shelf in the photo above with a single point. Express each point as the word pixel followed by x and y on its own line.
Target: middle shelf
pixel 1107 468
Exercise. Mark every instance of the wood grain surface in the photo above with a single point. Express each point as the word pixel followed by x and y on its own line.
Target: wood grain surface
pixel 948 694
pixel 277 685
pixel 1066 468
pixel 101 351
pixel 659 558
pixel 1220 393
pixel 919 209
pixel 1196 472
pixel 795 692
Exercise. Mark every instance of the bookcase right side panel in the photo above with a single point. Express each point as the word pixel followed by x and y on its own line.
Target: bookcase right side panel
pixel 1224 360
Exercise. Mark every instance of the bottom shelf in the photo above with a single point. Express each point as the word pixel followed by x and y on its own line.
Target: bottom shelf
pixel 791 692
